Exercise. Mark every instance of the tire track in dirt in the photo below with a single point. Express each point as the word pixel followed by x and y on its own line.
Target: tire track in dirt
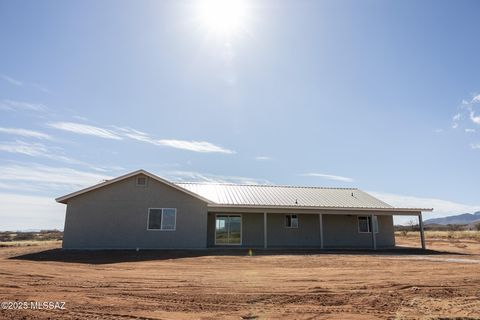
pixel 236 287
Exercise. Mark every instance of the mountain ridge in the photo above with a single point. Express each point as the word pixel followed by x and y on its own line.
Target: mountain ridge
pixel 464 218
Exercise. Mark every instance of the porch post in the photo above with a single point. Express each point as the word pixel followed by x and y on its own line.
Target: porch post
pixel 265 230
pixel 422 235
pixel 374 240
pixel 320 219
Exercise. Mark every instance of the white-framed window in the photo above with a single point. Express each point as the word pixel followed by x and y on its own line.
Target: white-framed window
pixel 365 224
pixel 163 219
pixel 142 181
pixel 291 221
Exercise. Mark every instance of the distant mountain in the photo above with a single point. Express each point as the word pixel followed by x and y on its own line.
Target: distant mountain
pixel 465 218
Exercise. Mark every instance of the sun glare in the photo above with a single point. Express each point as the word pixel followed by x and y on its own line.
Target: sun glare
pixel 223 17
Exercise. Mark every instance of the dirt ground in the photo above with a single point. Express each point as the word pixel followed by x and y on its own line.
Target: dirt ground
pixel 403 284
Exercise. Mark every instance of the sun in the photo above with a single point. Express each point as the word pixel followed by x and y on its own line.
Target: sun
pixel 223 17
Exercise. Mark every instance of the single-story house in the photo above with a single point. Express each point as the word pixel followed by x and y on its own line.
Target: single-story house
pixel 142 210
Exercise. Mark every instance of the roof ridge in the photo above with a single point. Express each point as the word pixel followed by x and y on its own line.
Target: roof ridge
pixel 261 185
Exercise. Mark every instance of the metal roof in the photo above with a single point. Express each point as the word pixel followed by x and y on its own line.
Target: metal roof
pixel 284 196
pixel 265 196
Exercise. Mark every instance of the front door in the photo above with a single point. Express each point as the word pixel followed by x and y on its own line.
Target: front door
pixel 228 230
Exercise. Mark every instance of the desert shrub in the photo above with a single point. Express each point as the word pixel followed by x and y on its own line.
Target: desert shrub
pixel 21 236
pixel 6 236
pixel 43 235
pixel 455 227
pixel 50 235
pixel 413 226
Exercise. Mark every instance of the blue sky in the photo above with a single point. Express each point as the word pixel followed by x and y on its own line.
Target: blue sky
pixel 379 95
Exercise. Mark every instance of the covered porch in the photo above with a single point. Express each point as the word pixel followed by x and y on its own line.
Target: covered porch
pixel 271 228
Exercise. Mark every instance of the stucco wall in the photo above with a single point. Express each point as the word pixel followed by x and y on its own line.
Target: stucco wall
pixel 306 235
pixel 340 231
pixel 116 216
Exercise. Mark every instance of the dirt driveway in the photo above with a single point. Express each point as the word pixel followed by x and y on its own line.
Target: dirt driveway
pixel 225 285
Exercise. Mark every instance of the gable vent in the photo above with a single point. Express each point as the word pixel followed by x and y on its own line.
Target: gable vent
pixel 141 181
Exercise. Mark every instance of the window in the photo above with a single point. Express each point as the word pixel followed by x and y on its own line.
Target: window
pixel 291 221
pixel 365 224
pixel 228 229
pixel 163 219
pixel 141 181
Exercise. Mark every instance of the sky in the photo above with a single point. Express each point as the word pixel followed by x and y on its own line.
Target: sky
pixel 379 95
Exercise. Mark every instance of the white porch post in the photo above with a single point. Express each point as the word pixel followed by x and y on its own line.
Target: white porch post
pixel 320 220
pixel 265 230
pixel 422 235
pixel 374 239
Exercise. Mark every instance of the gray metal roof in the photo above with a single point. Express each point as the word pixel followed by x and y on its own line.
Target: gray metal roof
pixel 257 196
pixel 284 196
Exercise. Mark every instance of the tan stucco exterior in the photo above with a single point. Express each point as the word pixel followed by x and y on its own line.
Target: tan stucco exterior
pixel 115 216
pixel 341 231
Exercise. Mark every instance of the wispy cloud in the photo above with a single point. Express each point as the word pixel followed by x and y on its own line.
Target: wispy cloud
pixel 328 176
pixel 19 83
pixel 13 105
pixel 189 145
pixel 46 174
pixel 21 212
pixel 441 207
pixel 25 133
pixel 262 158
pixel 11 80
pixel 20 186
pixel 38 150
pixel 29 149
pixel 474 118
pixel 28 192
pixel 467 115
pixel 191 176
pixel 455 119
pixel 467 111
pixel 196 146
pixel 119 133
pixel 135 134
pixel 85 129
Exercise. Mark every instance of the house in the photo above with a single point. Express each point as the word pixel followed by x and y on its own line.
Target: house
pixel 142 210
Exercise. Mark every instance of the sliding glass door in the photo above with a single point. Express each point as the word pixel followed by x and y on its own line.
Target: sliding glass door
pixel 228 230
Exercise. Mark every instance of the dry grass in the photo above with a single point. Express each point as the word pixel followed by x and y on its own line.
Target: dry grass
pixel 453 235
pixel 29 243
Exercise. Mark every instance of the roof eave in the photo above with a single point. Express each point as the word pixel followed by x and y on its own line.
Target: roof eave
pixel 386 209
